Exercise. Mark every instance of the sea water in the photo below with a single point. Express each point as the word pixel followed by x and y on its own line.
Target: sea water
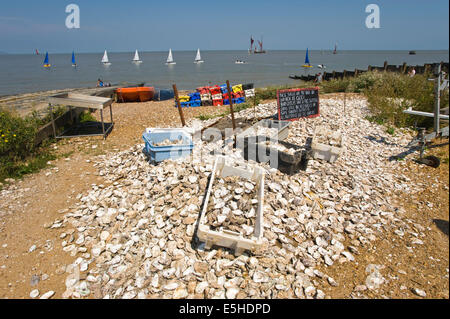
pixel 22 73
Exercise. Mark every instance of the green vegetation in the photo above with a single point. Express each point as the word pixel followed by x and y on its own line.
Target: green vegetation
pixel 390 130
pixel 86 117
pixel 18 153
pixel 389 94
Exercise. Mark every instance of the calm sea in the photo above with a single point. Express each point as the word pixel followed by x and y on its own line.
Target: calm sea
pixel 20 73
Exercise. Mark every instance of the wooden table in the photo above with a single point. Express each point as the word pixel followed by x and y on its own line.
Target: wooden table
pixel 82 101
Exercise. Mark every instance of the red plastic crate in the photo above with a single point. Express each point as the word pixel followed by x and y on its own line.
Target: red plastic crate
pixel 217 102
pixel 215 90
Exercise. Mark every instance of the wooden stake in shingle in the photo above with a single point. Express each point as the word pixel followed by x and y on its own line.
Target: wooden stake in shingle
pixel 180 110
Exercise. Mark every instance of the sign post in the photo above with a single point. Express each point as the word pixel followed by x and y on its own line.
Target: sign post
pixel 297 103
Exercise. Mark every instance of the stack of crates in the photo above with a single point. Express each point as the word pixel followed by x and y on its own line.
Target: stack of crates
pixel 238 94
pixel 194 100
pixel 184 100
pixel 205 95
pixel 249 90
pixel 216 95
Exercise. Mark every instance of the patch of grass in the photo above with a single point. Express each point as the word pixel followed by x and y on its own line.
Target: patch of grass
pixel 375 119
pixel 86 116
pixel 390 130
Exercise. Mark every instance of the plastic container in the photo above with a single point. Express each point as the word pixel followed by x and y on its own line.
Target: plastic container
pixel 255 149
pixel 183 104
pixel 217 96
pixel 249 93
pixel 218 102
pixel 184 98
pixel 282 126
pixel 215 90
pixel 237 88
pixel 207 102
pixel 224 88
pixel 329 153
pixel 194 96
pixel 247 86
pixel 195 103
pixel 160 153
pixel 227 238
pixel 207 96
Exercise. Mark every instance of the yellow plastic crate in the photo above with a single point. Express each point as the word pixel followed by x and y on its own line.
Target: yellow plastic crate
pixel 237 88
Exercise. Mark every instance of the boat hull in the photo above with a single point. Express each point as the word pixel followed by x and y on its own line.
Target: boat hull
pixel 135 94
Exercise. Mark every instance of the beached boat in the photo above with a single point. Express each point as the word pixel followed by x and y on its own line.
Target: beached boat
pixel 198 58
pixel 136 58
pixel 170 60
pixel 74 64
pixel 412 52
pixel 307 64
pixel 46 61
pixel 135 94
pixel 105 59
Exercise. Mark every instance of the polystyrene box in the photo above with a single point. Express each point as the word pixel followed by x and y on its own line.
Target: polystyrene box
pixel 326 152
pixel 226 238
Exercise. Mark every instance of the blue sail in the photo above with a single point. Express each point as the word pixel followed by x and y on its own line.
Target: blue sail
pixel 306 58
pixel 73 58
pixel 46 63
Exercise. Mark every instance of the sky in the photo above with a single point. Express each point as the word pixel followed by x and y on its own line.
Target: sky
pixel 148 25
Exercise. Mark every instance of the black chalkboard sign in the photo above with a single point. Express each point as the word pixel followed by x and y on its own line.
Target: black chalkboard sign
pixel 297 103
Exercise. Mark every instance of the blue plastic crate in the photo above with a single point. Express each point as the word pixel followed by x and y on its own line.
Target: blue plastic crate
pixel 239 100
pixel 161 153
pixel 194 96
pixel 224 89
pixel 226 102
pixel 183 104
pixel 195 103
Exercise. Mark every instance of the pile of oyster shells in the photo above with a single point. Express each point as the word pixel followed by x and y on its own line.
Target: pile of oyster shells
pixel 168 142
pixel 134 235
pixel 233 205
pixel 279 147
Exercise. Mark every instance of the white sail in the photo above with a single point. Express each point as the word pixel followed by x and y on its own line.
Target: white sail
pixel 105 57
pixel 170 57
pixel 198 57
pixel 136 57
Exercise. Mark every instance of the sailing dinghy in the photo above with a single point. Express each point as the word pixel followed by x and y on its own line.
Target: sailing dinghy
pixel 170 60
pixel 105 59
pixel 198 58
pixel 307 64
pixel 136 58
pixel 46 61
pixel 74 64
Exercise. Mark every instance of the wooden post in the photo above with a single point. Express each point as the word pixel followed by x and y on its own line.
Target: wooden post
pixel 405 67
pixel 356 73
pixel 369 68
pixel 385 65
pixel 230 98
pixel 180 110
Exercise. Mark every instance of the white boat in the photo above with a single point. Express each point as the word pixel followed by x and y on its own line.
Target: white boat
pixel 170 60
pixel 240 62
pixel 136 58
pixel 321 66
pixel 105 59
pixel 198 58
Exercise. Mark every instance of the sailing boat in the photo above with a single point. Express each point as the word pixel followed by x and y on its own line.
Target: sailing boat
pixel 335 49
pixel 46 62
pixel 136 58
pixel 307 64
pixel 37 52
pixel 261 50
pixel 105 59
pixel 170 60
pixel 198 58
pixel 74 64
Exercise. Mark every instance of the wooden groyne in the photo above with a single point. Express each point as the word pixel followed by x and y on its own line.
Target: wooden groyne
pixel 403 69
